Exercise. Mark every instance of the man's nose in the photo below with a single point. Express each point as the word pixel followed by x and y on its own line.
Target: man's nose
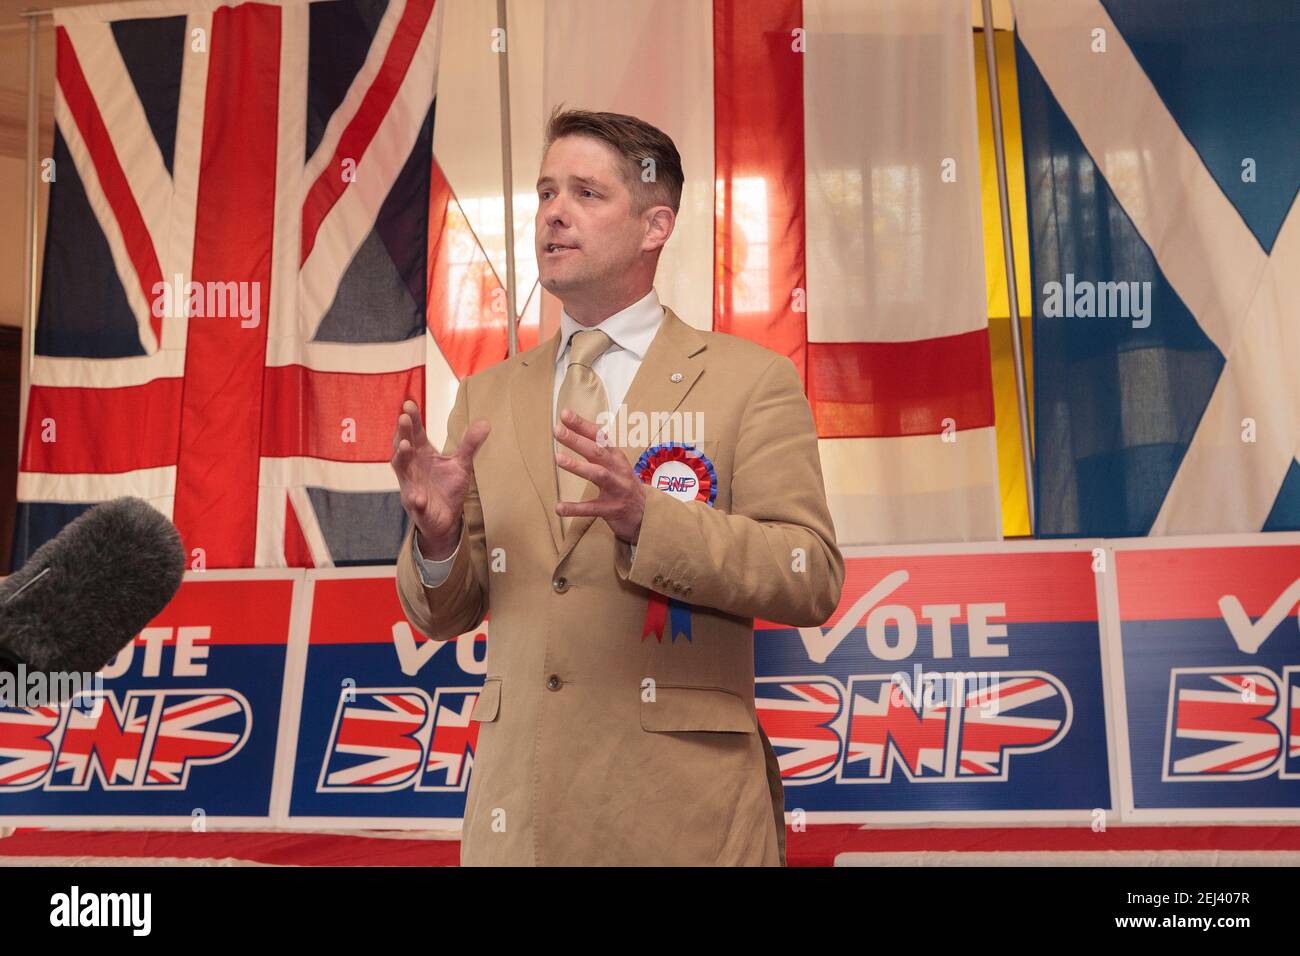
pixel 556 212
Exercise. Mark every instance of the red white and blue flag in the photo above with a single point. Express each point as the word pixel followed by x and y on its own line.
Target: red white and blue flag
pixel 236 274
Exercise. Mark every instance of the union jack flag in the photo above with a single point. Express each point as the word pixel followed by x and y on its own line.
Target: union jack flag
pixel 271 164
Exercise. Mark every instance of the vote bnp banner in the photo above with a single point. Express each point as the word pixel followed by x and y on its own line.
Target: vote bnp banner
pixel 182 727
pixel 1210 676
pixel 1018 682
pixel 384 735
pixel 957 683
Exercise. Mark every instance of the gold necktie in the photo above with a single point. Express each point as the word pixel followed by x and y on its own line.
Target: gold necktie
pixel 582 391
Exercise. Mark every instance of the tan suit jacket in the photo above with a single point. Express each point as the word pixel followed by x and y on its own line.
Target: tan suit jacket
pixel 597 747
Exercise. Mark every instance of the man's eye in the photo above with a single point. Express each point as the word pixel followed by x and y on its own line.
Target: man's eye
pixel 588 192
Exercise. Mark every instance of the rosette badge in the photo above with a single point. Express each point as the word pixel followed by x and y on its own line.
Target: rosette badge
pixel 682 471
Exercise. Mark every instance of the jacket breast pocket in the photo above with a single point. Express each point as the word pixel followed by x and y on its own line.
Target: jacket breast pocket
pixel 679 707
pixel 489 701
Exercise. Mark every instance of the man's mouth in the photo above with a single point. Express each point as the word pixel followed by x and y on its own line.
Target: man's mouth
pixel 554 248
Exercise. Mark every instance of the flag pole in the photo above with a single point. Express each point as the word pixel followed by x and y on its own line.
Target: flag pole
pixel 503 84
pixel 29 244
pixel 1009 261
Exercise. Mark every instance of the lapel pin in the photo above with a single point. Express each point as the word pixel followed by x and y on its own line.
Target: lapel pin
pixel 677 376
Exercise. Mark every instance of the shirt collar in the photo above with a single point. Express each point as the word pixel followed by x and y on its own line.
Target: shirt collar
pixel 632 329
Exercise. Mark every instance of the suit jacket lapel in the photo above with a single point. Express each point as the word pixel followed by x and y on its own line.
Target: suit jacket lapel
pixel 675 349
pixel 532 392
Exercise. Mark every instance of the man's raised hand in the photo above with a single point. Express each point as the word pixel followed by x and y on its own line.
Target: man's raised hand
pixel 433 485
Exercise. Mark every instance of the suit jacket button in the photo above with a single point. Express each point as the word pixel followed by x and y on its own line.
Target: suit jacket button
pixel 553 682
pixel 560 585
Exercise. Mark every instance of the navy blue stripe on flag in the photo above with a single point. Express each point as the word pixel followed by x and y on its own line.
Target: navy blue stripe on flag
pixel 36 522
pixel 360 527
pixel 153 50
pixel 339 40
pixel 381 297
pixel 83 311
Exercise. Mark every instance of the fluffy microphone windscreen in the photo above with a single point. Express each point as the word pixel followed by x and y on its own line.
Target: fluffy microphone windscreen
pixel 84 594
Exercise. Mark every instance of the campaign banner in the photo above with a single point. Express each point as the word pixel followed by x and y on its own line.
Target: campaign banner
pixel 182 728
pixel 1210 677
pixel 962 683
pixel 383 735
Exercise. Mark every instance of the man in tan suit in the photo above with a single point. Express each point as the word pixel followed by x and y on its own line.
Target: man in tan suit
pixel 617 722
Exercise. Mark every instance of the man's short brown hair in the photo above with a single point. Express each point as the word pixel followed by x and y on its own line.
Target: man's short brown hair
pixel 642 146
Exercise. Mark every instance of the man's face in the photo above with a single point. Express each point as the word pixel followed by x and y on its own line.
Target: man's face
pixel 585 208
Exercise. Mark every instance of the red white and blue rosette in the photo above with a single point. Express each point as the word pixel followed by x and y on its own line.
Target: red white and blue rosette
pixel 682 471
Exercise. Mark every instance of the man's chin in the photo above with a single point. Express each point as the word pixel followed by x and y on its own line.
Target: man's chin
pixel 557 284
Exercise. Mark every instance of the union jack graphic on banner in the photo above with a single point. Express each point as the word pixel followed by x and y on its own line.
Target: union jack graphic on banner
pixel 233 303
pixel 798 718
pixel 1220 726
pixel 1011 714
pixel 927 737
pixel 451 747
pixel 24 753
pixel 195 730
pixel 151 741
pixel 377 741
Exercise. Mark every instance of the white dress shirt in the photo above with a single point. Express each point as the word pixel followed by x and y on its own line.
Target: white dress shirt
pixel 630 331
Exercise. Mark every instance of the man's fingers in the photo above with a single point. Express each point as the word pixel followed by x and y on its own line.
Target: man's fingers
pixel 412 410
pixel 597 475
pixel 580 509
pixel 410 426
pixel 584 446
pixel 583 426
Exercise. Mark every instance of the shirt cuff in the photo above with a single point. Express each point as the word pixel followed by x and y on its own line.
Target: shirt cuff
pixel 432 573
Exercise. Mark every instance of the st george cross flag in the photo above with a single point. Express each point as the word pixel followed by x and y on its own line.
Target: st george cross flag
pixel 1162 162
pixel 234 291
pixel 831 212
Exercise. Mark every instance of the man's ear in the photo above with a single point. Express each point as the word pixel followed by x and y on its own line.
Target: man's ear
pixel 660 222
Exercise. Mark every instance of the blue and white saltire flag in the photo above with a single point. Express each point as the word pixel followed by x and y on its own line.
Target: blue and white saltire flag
pixel 1162 161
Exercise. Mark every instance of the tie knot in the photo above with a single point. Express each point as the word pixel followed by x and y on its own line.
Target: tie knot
pixel 586 346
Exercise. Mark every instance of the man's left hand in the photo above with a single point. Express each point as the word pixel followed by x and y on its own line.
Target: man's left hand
pixel 621 494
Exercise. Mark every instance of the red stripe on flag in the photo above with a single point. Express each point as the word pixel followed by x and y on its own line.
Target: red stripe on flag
pixel 466 302
pixel 890 389
pixel 759 172
pixel 112 179
pixel 66 428
pixel 338 416
pixel 355 140
pixel 218 465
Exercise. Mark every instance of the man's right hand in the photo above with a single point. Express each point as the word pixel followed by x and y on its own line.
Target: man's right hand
pixel 432 485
